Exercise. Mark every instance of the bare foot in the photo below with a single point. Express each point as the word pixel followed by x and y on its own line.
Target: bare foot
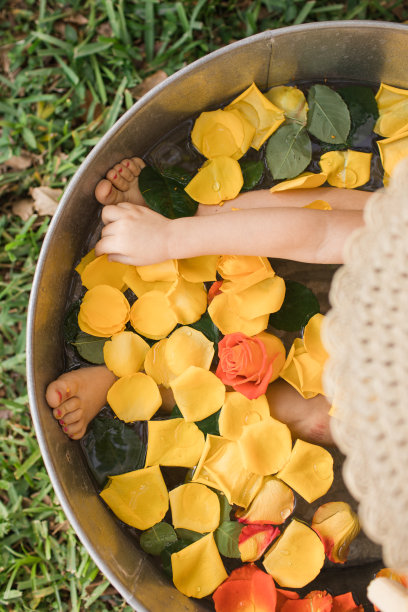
pixel 76 397
pixel 308 420
pixel 121 183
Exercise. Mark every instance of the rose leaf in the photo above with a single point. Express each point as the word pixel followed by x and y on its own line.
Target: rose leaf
pixel 207 327
pixel 288 151
pixel 188 535
pixel 165 195
pixel 90 347
pixel 328 117
pixel 155 539
pixel 363 112
pixel 299 305
pixel 166 553
pixel 210 424
pixel 226 538
pixel 252 171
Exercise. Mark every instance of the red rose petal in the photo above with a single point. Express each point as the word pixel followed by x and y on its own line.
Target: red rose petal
pixel 345 603
pixel 316 601
pixel 214 290
pixel 248 588
pixel 282 596
pixel 260 535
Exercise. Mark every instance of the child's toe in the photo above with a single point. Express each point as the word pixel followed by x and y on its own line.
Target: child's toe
pixel 106 193
pixel 117 180
pixel 124 173
pixel 136 165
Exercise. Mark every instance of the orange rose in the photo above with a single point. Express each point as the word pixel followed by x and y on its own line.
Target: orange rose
pixel 249 364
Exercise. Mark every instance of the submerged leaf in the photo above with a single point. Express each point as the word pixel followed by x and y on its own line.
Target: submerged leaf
pixel 328 117
pixel 288 151
pixel 165 195
pixel 363 112
pixel 155 539
pixel 252 171
pixel 90 347
pixel 299 305
pixel 227 537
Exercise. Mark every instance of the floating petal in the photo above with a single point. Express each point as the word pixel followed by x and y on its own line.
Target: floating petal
pixel 243 271
pixel 265 446
pixel 247 588
pixel 273 504
pixel 393 150
pixel 254 540
pixel 302 371
pixel 187 347
pixel 100 271
pixel 125 353
pixel 134 398
pixel 156 365
pixel 160 272
pixel 198 393
pixel 260 112
pixel 86 259
pixel 312 338
pixel 174 442
pixel 307 180
pixel 188 301
pixel 152 316
pixel 347 169
pixel 291 100
pixel 239 411
pixel 392 105
pixel 309 470
pixel 194 506
pixel 296 558
pixel 104 311
pixel 198 569
pixel 138 498
pixel 199 269
pixel 337 525
pixel 228 319
pixel 317 601
pixel 217 180
pixel 139 287
pixel 262 298
pixel 222 132
pixel 318 205
pixel 345 603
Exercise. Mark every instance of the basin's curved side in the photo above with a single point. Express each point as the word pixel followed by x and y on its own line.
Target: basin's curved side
pixel 310 52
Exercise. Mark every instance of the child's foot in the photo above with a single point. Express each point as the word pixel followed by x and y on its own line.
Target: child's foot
pixel 76 397
pixel 308 419
pixel 121 183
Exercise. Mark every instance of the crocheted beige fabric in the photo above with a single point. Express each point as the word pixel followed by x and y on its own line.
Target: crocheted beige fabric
pixel 366 333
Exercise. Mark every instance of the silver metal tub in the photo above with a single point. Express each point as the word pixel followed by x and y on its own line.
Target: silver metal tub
pixel 356 51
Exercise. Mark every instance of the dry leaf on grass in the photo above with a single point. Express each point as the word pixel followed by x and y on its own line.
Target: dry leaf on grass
pixel 18 162
pixel 45 199
pixel 23 209
pixel 148 84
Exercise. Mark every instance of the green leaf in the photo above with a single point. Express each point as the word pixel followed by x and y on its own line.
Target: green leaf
pixel 188 535
pixel 155 539
pixel 210 424
pixel 90 347
pixel 288 151
pixel 299 305
pixel 363 112
pixel 164 195
pixel 207 327
pixel 225 507
pixel 177 174
pixel 252 171
pixel 166 553
pixel 328 118
pixel 226 538
pixel 112 447
pixel 71 327
pixel 176 413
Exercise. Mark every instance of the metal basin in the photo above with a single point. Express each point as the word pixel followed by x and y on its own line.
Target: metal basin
pixel 358 51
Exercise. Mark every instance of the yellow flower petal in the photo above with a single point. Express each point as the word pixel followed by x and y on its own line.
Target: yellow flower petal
pixel 258 110
pixel 198 569
pixel 139 287
pixel 134 398
pixel 164 271
pixel 337 526
pixel 319 205
pixel 307 180
pixel 155 364
pixel 291 100
pixel 221 467
pixel 392 105
pixel 262 298
pixel 296 557
pixel 194 506
pixel 138 498
pixel 100 271
pixel 312 338
pixel 225 315
pixel 249 133
pixel 188 301
pixel 302 371
pixel 152 316
pixel 199 269
pixel 104 311
pixel 309 470
pixel 239 411
pixel 174 442
pixel 220 132
pixel 86 259
pixel 393 150
pixel 265 446
pixel 198 393
pixel 217 180
pixel 348 169
pixel 187 347
pixel 273 504
pixel 243 271
pixel 125 353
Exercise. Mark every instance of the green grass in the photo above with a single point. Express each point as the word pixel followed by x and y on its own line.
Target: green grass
pixel 69 70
